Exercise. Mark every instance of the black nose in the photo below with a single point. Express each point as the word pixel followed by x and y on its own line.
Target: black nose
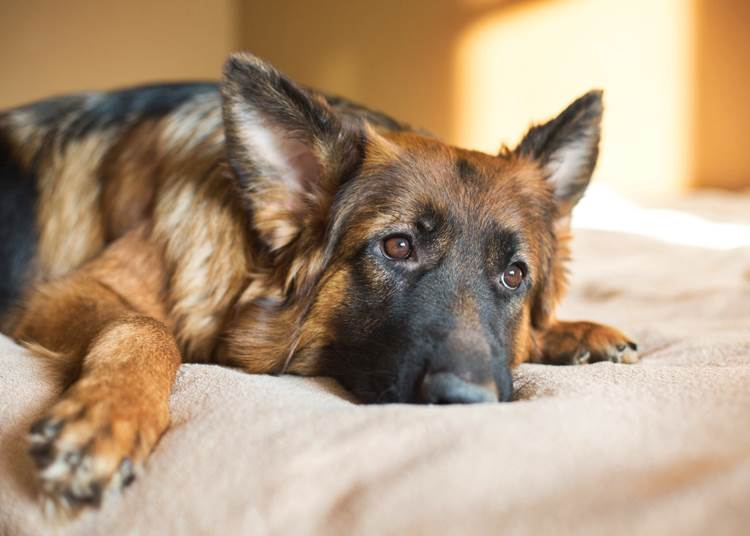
pixel 447 388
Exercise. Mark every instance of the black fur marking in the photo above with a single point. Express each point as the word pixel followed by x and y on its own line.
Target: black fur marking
pixel 465 170
pixel 49 111
pixel 18 234
pixel 345 107
pixel 501 246
pixel 115 108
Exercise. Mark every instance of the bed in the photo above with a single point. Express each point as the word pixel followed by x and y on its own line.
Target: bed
pixel 654 448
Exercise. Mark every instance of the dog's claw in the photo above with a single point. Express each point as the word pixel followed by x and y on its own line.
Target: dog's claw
pixel 126 473
pixel 42 453
pixel 616 353
pixel 45 429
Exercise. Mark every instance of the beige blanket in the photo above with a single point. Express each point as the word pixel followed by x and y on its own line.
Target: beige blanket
pixel 656 448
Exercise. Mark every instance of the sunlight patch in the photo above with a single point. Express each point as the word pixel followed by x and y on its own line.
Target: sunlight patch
pixel 603 209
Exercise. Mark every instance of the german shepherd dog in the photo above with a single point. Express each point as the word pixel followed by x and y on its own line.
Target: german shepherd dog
pixel 262 225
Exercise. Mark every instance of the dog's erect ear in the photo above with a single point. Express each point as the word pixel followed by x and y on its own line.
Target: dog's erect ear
pixel 567 147
pixel 288 149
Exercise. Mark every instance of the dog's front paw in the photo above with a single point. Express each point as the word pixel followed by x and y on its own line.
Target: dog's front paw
pixel 581 343
pixel 90 443
pixel 616 351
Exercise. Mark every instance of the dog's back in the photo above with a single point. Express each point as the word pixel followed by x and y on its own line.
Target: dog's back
pixel 77 171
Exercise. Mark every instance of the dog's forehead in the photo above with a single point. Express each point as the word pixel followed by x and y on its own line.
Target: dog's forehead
pixel 421 175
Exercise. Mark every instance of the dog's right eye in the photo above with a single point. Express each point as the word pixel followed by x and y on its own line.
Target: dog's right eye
pixel 397 247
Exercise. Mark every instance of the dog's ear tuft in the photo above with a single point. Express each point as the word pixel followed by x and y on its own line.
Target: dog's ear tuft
pixel 289 151
pixel 567 147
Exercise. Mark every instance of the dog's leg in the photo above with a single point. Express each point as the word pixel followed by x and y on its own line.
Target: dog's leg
pixel 579 343
pixel 103 329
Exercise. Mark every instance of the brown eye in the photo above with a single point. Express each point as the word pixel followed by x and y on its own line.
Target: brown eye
pixel 397 247
pixel 513 276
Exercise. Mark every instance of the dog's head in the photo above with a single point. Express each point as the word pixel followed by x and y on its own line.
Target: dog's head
pixel 417 272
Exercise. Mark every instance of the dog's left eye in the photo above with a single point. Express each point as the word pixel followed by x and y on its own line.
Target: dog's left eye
pixel 397 247
pixel 513 276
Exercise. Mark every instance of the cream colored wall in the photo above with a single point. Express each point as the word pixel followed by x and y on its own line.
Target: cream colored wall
pixel 57 46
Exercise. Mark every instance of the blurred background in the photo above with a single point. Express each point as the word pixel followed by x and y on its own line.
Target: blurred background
pixel 475 72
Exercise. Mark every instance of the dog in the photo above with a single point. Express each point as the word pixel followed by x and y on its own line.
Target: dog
pixel 262 225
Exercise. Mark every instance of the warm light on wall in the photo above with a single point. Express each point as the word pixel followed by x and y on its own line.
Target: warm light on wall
pixel 528 60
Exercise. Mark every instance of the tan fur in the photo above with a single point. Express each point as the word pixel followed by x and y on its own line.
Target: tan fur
pixel 131 170
pixel 202 231
pixel 70 223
